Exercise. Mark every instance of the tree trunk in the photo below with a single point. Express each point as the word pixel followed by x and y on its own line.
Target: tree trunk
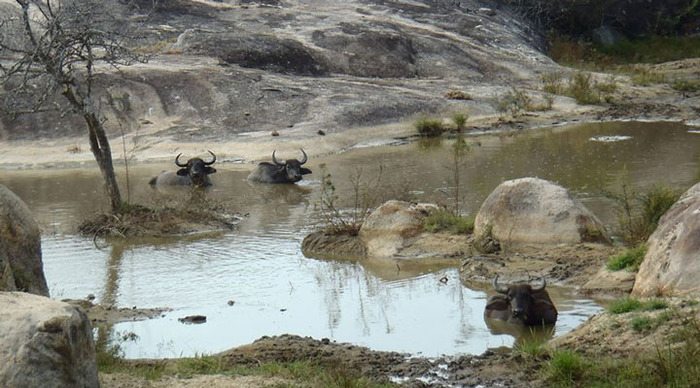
pixel 99 145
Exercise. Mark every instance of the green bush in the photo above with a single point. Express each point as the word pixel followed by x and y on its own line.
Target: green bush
pixel 630 259
pixel 582 89
pixel 553 83
pixel 430 127
pixel 514 102
pixel 639 214
pixel 460 119
pixel 443 220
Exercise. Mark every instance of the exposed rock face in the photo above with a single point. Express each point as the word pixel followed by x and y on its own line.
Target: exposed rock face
pixel 390 227
pixel 672 263
pixel 531 211
pixel 44 343
pixel 235 67
pixel 610 282
pixel 21 268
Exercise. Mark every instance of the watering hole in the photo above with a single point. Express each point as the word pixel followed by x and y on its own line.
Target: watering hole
pixel 254 281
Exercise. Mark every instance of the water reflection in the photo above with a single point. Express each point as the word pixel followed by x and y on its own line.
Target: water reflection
pixel 277 290
pixel 521 333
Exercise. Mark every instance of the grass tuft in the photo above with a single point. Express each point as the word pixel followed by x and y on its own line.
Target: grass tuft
pixel 430 127
pixel 566 367
pixel 627 304
pixel 630 259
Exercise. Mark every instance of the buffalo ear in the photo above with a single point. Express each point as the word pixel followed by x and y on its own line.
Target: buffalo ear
pixel 210 170
pixel 305 171
pixel 182 172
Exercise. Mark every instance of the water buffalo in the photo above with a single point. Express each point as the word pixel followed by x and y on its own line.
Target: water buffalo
pixel 521 303
pixel 289 171
pixel 193 173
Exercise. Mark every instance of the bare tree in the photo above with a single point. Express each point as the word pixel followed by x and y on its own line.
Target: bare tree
pixel 57 48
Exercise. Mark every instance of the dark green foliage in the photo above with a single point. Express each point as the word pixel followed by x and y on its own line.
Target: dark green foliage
pixel 430 127
pixel 446 221
pixel 630 259
pixel 639 214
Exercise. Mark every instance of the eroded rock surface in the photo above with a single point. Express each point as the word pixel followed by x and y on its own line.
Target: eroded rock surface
pixel 44 343
pixel 671 266
pixel 226 68
pixel 391 226
pixel 533 211
pixel 21 267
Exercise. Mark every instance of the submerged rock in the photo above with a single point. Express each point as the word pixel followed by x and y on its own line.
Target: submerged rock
pixel 533 211
pixel 671 265
pixel 21 267
pixel 44 343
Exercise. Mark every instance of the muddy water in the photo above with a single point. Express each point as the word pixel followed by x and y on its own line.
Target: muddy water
pixel 274 289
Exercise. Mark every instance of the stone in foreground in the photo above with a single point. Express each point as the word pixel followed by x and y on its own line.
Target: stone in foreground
pixel 21 267
pixel 671 266
pixel 44 343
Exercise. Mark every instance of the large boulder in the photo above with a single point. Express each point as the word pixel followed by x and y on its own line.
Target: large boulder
pixel 392 227
pixel 44 343
pixel 532 211
pixel 21 268
pixel 672 263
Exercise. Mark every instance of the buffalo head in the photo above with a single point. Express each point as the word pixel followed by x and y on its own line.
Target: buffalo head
pixel 196 169
pixel 292 167
pixel 194 172
pixel 522 303
pixel 287 171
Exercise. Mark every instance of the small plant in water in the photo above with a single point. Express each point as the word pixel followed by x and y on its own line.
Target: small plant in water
pixel 364 197
pixel 430 127
pixel 460 119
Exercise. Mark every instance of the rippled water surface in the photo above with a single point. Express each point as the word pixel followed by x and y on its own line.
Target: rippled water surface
pixel 275 289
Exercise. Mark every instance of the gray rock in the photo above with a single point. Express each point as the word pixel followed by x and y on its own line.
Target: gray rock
pixel 610 282
pixel 672 263
pixel 390 227
pixel 44 343
pixel 21 268
pixel 306 66
pixel 532 211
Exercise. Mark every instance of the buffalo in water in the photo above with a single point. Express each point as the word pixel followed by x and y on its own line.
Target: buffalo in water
pixel 289 171
pixel 521 303
pixel 195 172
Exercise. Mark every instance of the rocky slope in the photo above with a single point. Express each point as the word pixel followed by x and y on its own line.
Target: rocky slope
pixel 238 69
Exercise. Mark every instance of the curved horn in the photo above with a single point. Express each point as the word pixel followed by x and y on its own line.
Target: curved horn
pixel 274 160
pixel 544 284
pixel 212 160
pixel 497 287
pixel 177 161
pixel 305 157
